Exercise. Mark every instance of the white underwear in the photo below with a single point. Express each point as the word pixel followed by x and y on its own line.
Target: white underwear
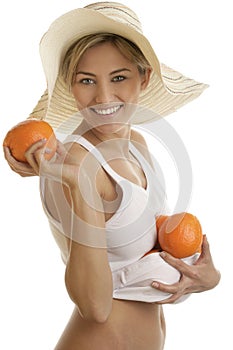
pixel 133 282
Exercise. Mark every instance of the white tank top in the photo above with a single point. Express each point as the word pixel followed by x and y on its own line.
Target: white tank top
pixel 131 231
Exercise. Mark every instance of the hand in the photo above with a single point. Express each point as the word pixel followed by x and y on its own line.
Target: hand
pixel 62 167
pixel 21 168
pixel 199 277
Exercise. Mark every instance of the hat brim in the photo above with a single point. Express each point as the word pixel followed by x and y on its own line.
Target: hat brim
pixel 167 90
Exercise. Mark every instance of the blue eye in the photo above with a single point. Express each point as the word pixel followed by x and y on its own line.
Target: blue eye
pixel 118 78
pixel 87 81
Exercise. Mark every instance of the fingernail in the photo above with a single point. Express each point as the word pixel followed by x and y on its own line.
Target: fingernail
pixel 47 150
pixel 155 285
pixel 162 254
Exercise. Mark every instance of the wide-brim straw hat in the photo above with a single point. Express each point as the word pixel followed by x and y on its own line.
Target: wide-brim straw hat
pixel 167 90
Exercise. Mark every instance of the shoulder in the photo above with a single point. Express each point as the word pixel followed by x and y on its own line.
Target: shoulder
pixel 77 154
pixel 137 137
pixel 90 167
pixel 140 143
pixel 76 151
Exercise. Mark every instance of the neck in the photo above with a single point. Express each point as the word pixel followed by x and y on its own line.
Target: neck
pixel 116 141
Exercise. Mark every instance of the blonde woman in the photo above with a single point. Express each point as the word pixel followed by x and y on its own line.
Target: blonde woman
pixel 101 193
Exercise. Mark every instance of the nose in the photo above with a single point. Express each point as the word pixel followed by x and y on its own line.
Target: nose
pixel 104 93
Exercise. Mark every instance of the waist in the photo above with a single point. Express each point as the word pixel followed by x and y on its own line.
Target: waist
pixel 125 328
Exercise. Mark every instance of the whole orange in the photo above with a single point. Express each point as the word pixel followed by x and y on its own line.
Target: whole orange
pixel 180 235
pixel 25 134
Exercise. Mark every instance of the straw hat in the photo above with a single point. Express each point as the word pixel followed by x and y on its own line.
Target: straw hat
pixel 167 91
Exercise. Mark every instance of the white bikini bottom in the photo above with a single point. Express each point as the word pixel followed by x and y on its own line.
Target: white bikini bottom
pixel 133 282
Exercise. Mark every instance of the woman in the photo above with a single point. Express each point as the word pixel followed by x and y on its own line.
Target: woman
pixel 101 193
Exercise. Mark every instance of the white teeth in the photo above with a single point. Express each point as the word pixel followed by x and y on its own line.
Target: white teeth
pixel 107 111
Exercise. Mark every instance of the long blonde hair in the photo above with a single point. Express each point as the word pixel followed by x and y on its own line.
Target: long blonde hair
pixel 75 52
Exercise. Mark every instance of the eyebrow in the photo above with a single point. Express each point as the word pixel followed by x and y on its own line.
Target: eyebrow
pixel 120 70
pixel 113 72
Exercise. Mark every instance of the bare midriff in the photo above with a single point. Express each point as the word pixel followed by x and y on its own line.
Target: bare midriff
pixel 131 326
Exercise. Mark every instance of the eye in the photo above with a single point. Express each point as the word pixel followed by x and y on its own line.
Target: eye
pixel 86 81
pixel 118 78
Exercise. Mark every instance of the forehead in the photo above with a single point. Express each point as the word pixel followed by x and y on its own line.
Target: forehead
pixel 104 54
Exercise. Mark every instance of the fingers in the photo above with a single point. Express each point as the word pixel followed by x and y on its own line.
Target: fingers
pixel 205 246
pixel 23 169
pixel 34 155
pixel 166 288
pixel 179 265
pixel 61 150
pixel 7 153
pixel 205 256
pixel 10 159
pixel 56 168
pixel 36 147
pixel 197 277
pixel 175 290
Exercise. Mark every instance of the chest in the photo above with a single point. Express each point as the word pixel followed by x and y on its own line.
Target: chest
pixel 129 169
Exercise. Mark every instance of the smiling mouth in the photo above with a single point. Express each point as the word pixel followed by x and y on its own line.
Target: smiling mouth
pixel 107 111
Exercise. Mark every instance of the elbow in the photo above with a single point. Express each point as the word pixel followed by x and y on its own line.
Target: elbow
pixel 90 308
pixel 99 316
pixel 92 312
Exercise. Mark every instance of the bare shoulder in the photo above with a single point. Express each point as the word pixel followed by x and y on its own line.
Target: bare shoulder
pixel 88 165
pixel 76 151
pixel 90 184
pixel 140 143
pixel 137 137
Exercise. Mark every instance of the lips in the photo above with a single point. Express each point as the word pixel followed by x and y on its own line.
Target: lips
pixel 106 111
pixel 109 113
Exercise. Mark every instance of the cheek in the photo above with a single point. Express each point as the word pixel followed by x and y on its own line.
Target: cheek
pixel 81 97
pixel 133 93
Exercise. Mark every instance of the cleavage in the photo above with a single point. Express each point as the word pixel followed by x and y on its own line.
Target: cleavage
pixel 129 169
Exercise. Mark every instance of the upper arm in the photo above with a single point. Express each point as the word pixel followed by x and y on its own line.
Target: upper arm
pixel 87 267
pixel 88 218
pixel 88 275
pixel 80 209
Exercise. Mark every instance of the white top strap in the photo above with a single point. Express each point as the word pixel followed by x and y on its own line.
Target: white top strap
pixel 96 153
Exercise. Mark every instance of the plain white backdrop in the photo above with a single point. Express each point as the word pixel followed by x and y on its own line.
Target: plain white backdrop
pixel 194 37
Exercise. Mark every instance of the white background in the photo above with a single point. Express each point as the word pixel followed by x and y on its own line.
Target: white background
pixel 194 37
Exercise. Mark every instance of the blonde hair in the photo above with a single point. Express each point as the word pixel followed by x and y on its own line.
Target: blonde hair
pixel 75 52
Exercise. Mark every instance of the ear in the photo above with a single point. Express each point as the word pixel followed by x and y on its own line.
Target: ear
pixel 146 78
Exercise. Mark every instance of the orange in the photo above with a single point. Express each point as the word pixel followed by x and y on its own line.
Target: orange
pixel 25 134
pixel 159 220
pixel 180 234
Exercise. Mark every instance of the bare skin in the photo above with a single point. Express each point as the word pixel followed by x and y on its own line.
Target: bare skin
pixel 130 326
